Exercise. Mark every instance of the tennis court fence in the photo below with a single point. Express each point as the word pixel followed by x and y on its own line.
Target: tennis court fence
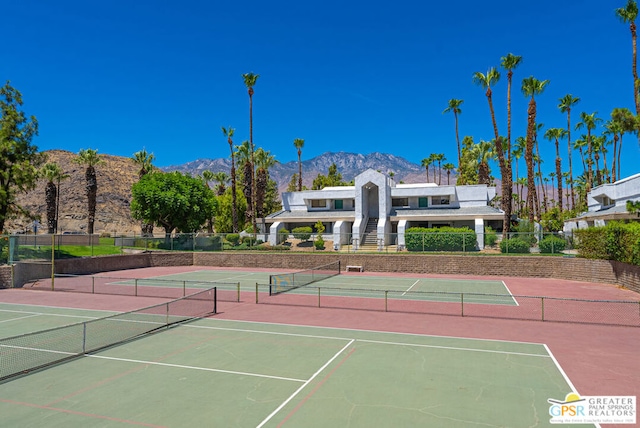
pixel 281 283
pixel 533 308
pixel 32 351
pixel 139 287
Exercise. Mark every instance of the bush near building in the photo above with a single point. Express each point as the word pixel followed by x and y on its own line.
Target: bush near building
pixel 440 239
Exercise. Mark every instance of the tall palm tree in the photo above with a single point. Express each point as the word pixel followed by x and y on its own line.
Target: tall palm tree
pixel 552 176
pixel 509 63
pixel 598 145
pixel 484 152
pixel 243 154
pixel 628 14
pixel 144 162
pixel 448 167
pixel 264 161
pixel 250 80
pixel 228 132
pixel 439 157
pixel 589 121
pixel 579 145
pixel 426 162
pixel 538 162
pixel 298 143
pixel 628 123
pixel 52 173
pixel 454 107
pixel 566 103
pixel 614 129
pixel 555 134
pixel 486 81
pixel 567 180
pixel 530 88
pixel 518 152
pixel 90 159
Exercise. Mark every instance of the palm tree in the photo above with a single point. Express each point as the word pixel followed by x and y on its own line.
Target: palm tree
pixel 567 181
pixel 264 161
pixel 440 157
pixel 298 143
pixel 599 146
pixel 243 154
pixel 565 105
pixel 425 163
pixel 538 162
pixel 228 132
pixel 486 81
pixel 628 123
pixel 52 173
pixel 522 181
pixel 448 167
pixel 454 107
pixel 579 145
pixel 484 153
pixel 90 159
pixel 614 129
pixel 555 134
pixel 144 162
pixel 250 80
pixel 530 88
pixel 552 176
pixel 509 63
pixel 628 14
pixel 589 121
pixel 222 178
pixel 518 151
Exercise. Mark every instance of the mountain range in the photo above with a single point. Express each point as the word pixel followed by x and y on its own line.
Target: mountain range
pixel 117 175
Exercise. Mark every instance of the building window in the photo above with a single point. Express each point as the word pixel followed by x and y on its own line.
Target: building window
pixel 422 202
pixel 318 203
pixel 400 202
pixel 606 201
pixel 440 200
pixel 337 204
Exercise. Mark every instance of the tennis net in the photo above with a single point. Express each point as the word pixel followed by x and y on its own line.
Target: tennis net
pixel 31 351
pixel 288 281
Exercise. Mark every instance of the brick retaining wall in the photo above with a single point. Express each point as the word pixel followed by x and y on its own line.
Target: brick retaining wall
pixel 570 268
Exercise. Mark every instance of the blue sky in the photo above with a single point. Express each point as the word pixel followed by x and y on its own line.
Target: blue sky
pixel 356 76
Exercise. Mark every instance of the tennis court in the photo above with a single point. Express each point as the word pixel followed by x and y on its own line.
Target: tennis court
pixel 215 372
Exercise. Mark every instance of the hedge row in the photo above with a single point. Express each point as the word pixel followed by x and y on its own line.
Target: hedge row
pixel 440 239
pixel 615 241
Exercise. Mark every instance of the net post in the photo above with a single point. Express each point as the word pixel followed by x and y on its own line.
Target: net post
pixel 257 291
pixel 238 292
pixel 318 296
pixel 167 315
pixel 461 304
pixel 542 307
pixel 84 336
pixel 184 288
pixel 53 256
pixel 135 288
pixel 386 294
pixel 215 300
pixel 339 266
pixel 93 284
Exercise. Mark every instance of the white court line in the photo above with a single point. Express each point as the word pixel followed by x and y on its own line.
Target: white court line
pixel 310 336
pixel 453 348
pixel 304 384
pixel 54 307
pixel 180 366
pixel 409 289
pixel 53 315
pixel 20 318
pixel 564 375
pixel 510 293
pixel 38 349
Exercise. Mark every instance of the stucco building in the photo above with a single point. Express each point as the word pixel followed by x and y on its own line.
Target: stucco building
pixel 377 211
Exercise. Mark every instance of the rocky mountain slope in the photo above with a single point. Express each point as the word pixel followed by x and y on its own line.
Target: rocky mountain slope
pixel 117 175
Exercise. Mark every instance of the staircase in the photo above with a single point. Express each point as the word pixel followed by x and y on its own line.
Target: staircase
pixel 370 237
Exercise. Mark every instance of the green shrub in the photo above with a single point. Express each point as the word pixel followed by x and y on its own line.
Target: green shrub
pixel 490 237
pixel 283 232
pixel 302 233
pixel 615 241
pixel 319 243
pixel 552 244
pixel 441 239
pixel 233 238
pixel 514 245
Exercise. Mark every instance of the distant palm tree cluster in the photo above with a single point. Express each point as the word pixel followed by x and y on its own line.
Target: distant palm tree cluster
pixel 540 199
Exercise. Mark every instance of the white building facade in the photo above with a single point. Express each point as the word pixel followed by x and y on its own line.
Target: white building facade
pixel 377 211
pixel 608 202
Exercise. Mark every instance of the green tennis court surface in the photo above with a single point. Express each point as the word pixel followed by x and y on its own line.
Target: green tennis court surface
pixel 409 288
pixel 225 373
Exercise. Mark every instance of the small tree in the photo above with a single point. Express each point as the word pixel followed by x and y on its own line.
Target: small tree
pixel 319 243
